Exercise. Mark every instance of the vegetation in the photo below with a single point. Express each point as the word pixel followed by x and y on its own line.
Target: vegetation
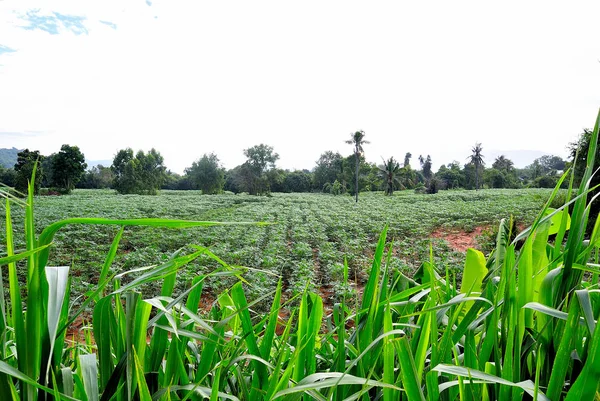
pixel 357 140
pixel 520 324
pixel 143 173
pixel 476 159
pixel 390 171
pixel 68 166
pixel 333 173
pixel 207 174
pixel 26 162
pixel 257 174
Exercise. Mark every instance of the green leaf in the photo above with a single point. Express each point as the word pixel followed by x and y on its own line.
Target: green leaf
pixel 476 376
pixel 58 279
pixel 474 272
pixel 319 381
pixel 89 373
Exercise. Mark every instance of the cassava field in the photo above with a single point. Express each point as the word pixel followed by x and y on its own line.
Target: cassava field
pixel 310 236
pixel 143 298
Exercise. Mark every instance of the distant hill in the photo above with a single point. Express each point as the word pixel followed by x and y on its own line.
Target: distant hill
pixel 8 157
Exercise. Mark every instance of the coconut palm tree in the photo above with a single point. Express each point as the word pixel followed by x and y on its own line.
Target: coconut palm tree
pixel 358 140
pixel 477 160
pixel 390 170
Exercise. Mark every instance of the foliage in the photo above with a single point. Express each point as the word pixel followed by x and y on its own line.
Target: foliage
pixel 426 167
pixel 68 166
pixel 8 176
pixel 97 177
pixel 26 162
pixel 260 159
pixel 476 159
pixel 143 173
pixel 357 140
pixel 328 169
pixel 502 163
pixel 550 163
pixel 297 181
pixel 207 174
pixel 389 171
pixel 521 324
pixel 451 176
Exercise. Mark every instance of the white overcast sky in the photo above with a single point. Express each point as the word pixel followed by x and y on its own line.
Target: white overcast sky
pixel 190 77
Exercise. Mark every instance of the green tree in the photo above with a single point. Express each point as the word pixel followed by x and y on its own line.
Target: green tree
pixel 502 174
pixel 477 159
pixel 97 177
pixel 68 166
pixel 327 170
pixel 357 140
pixel 26 160
pixel 8 176
pixel 407 158
pixel 503 164
pixel 234 180
pixel 139 174
pixel 426 167
pixel 297 181
pixel 389 171
pixel 260 159
pixel 451 175
pixel 551 164
pixel 207 174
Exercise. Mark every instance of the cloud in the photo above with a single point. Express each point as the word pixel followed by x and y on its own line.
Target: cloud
pixel 54 22
pixel 23 134
pixel 110 24
pixel 6 49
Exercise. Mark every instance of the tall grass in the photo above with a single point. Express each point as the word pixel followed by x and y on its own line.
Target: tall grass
pixel 520 325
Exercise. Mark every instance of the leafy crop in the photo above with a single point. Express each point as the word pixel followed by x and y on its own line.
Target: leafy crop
pixel 313 232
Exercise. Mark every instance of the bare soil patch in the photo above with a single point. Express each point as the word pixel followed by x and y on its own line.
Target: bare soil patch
pixel 459 240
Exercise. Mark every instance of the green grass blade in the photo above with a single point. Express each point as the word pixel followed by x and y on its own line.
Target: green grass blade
pixel 388 357
pixel 11 371
pixel 89 373
pixel 269 334
pixel 58 279
pixel 18 320
pixel 587 384
pixel 408 371
pixel 319 381
pixel 7 260
pixel 477 376
pixel 110 257
pixel 563 355
pixel 585 302
pixel 238 296
pixel 143 392
pixel 103 320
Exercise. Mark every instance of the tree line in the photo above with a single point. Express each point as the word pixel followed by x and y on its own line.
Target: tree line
pixel 145 173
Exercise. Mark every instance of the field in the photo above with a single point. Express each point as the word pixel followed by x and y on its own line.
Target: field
pixel 311 234
pixel 324 299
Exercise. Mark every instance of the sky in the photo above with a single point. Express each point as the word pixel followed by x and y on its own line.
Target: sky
pixel 193 77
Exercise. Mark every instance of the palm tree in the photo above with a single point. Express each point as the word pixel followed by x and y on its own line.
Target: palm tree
pixel 389 171
pixel 358 140
pixel 477 160
pixel 503 164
